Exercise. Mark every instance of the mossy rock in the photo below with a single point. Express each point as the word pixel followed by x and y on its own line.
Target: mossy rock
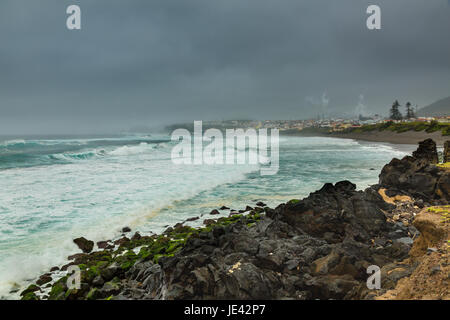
pixel 123 258
pixel 89 275
pixel 127 260
pixel 58 290
pixel 127 265
pixel 31 288
pixel 258 210
pixel 110 288
pixel 30 296
pixel 93 294
pixel 157 257
pixel 75 294
pixel 144 253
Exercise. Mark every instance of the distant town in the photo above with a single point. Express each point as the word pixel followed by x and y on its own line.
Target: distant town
pixel 329 124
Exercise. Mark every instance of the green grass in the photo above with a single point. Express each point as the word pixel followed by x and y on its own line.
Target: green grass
pixel 429 127
pixel 444 211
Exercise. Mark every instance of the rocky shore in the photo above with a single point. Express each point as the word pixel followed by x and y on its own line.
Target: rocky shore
pixel 316 248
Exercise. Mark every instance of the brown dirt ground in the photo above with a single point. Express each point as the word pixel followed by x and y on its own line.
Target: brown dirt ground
pixel 431 279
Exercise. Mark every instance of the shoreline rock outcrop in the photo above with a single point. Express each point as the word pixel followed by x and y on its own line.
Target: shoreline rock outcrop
pixel 84 244
pixel 447 151
pixel 418 176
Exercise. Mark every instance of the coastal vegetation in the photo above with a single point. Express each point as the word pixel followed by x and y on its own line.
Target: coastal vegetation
pixel 399 127
pixel 395 113
pixel 400 123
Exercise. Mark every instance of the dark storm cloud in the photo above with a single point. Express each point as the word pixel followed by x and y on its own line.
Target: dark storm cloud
pixel 148 62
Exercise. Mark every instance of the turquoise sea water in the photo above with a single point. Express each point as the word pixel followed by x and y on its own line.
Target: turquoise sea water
pixel 53 190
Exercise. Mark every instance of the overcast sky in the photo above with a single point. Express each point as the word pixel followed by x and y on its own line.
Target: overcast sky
pixel 162 61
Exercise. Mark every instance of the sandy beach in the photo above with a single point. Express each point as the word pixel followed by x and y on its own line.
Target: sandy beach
pixel 410 137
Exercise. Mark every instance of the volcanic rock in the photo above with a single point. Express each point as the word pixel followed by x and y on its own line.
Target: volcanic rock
pixel 427 150
pixel 85 245
pixel 447 151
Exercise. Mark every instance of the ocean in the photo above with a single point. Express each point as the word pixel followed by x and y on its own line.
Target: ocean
pixel 53 190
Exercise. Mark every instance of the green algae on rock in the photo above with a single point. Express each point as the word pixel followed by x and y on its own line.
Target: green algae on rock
pixel 102 271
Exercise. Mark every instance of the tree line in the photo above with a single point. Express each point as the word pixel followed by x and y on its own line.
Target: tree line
pixel 395 113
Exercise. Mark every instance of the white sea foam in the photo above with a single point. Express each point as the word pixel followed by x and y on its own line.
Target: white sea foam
pixel 103 189
pixel 12 142
pixel 43 208
pixel 132 150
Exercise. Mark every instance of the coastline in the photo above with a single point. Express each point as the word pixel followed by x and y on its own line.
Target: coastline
pixel 263 243
pixel 363 175
pixel 409 137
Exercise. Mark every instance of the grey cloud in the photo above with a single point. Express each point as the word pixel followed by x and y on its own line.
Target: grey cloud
pixel 145 62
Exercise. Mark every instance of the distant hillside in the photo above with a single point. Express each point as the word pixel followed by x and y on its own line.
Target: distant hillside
pixel 439 108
